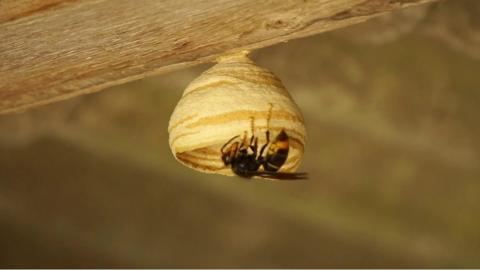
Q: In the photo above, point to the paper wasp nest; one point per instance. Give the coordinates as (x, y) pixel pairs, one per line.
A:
(220, 104)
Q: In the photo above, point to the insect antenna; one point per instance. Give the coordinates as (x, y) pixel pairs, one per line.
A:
(227, 143)
(282, 175)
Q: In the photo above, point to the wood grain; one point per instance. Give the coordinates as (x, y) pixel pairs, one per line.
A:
(52, 50)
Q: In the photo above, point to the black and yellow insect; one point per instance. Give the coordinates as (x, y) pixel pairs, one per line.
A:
(242, 156)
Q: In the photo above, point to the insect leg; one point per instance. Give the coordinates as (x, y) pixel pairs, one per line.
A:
(244, 142)
(252, 127)
(267, 133)
(235, 150)
(254, 146)
(269, 116)
(265, 145)
(253, 139)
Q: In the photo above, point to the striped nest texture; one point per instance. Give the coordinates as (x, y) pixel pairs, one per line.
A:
(221, 104)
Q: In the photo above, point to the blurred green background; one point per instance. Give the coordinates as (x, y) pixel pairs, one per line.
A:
(392, 109)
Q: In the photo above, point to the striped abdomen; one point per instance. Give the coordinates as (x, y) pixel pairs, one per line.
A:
(277, 152)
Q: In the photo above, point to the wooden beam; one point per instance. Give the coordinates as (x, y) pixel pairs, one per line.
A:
(51, 50)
